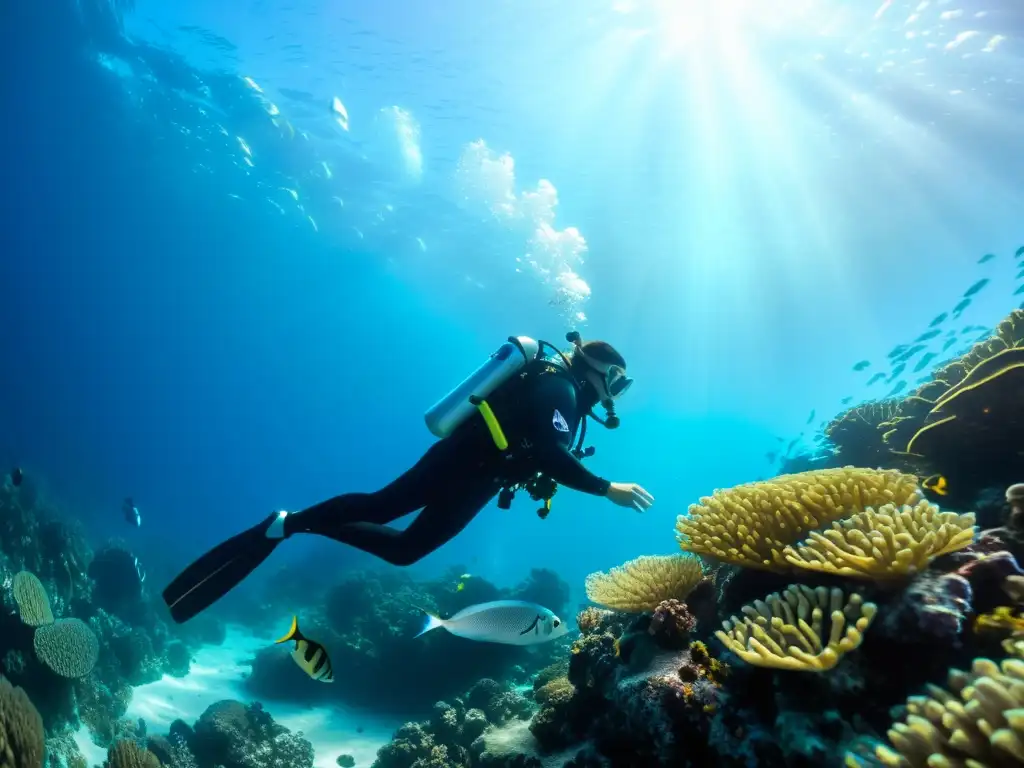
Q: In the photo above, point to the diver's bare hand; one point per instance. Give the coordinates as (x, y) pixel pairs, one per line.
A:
(630, 495)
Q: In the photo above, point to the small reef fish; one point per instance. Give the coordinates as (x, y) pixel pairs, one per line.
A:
(810, 417)
(308, 654)
(877, 377)
(1020, 252)
(986, 257)
(1019, 291)
(846, 400)
(939, 320)
(17, 476)
(909, 353)
(1020, 274)
(896, 372)
(861, 365)
(949, 343)
(928, 335)
(508, 622)
(964, 304)
(131, 512)
(897, 350)
(900, 386)
(923, 362)
(975, 288)
(936, 484)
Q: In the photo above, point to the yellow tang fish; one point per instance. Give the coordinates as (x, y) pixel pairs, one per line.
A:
(309, 654)
(936, 484)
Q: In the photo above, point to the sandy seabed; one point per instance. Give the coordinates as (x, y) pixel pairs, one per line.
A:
(217, 673)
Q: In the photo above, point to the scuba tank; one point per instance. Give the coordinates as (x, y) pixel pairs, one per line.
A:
(454, 408)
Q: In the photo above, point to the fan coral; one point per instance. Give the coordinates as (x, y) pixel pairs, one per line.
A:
(978, 721)
(752, 524)
(68, 647)
(646, 582)
(21, 729)
(30, 595)
(890, 542)
(786, 631)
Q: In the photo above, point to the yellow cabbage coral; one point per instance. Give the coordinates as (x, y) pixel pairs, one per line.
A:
(787, 631)
(752, 524)
(642, 584)
(890, 542)
(978, 721)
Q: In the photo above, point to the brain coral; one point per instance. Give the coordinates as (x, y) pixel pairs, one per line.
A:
(21, 729)
(30, 595)
(68, 647)
(127, 754)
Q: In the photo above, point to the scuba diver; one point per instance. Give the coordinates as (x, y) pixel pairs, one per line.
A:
(509, 426)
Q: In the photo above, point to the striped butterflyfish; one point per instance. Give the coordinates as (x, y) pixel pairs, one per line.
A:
(308, 654)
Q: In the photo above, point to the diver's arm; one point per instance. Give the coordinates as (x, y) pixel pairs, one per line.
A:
(553, 418)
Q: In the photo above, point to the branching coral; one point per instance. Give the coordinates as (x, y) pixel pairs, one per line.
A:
(751, 525)
(68, 647)
(890, 542)
(30, 595)
(644, 583)
(787, 631)
(978, 721)
(22, 740)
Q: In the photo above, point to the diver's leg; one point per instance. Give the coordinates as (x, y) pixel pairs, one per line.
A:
(435, 526)
(220, 570)
(413, 490)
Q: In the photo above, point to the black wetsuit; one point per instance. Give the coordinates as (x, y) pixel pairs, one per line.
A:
(459, 475)
(451, 483)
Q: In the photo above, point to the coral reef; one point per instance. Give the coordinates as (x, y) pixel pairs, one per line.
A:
(233, 735)
(453, 737)
(76, 660)
(963, 422)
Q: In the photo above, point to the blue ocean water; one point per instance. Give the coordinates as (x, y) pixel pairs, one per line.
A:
(224, 296)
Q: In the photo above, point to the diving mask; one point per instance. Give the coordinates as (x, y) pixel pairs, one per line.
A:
(616, 382)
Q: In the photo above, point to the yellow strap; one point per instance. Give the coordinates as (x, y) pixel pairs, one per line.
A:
(492, 425)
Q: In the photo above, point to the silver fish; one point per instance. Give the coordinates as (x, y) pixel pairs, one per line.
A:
(509, 622)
